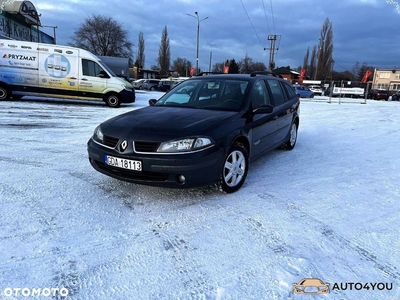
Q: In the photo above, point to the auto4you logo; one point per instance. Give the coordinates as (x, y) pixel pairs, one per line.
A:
(311, 286)
(314, 286)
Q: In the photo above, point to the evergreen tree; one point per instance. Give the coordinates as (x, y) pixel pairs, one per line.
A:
(325, 51)
(140, 60)
(164, 53)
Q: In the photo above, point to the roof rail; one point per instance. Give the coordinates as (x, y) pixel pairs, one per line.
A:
(265, 73)
(208, 73)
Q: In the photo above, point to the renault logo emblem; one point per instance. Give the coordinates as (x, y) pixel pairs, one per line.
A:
(123, 145)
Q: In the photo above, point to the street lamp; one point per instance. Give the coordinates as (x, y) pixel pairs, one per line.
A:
(54, 30)
(212, 45)
(198, 33)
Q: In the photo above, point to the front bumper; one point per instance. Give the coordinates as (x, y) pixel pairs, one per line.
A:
(198, 168)
(128, 96)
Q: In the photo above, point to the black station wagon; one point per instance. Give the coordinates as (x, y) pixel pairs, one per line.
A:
(205, 131)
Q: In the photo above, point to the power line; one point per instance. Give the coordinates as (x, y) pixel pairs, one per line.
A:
(251, 23)
(273, 19)
(266, 18)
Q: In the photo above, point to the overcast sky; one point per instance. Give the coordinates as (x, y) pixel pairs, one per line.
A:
(363, 30)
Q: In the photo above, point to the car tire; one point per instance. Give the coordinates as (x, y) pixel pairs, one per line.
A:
(312, 96)
(4, 92)
(152, 88)
(112, 100)
(235, 168)
(291, 142)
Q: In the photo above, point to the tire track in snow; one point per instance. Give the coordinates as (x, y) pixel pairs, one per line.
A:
(195, 281)
(387, 270)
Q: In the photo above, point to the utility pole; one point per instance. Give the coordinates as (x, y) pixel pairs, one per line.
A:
(272, 49)
(211, 45)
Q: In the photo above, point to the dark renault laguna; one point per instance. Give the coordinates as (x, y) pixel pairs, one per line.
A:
(204, 131)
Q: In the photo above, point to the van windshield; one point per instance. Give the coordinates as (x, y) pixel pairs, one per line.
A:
(107, 68)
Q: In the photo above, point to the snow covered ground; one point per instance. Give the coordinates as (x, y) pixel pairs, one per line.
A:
(329, 209)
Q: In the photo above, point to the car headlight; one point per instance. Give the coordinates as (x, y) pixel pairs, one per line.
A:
(98, 135)
(126, 87)
(185, 145)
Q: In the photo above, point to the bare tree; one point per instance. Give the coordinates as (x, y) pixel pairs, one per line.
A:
(245, 65)
(164, 53)
(258, 66)
(325, 50)
(313, 62)
(218, 67)
(181, 66)
(140, 58)
(305, 61)
(102, 36)
(248, 66)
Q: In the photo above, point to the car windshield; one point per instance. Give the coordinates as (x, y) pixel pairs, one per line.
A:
(215, 94)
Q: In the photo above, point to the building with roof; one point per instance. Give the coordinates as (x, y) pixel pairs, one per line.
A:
(19, 20)
(387, 79)
(288, 74)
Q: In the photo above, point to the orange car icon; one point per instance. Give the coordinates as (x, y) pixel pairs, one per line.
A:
(311, 286)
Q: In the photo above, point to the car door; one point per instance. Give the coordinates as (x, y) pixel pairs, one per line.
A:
(263, 125)
(283, 98)
(91, 84)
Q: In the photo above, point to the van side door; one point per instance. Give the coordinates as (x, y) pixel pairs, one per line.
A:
(92, 79)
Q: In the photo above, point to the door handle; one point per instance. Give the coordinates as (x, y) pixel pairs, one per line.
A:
(72, 78)
(85, 79)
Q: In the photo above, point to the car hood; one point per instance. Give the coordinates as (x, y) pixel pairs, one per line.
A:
(162, 123)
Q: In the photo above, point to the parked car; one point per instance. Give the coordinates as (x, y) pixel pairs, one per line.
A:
(206, 130)
(378, 94)
(150, 84)
(396, 96)
(176, 82)
(137, 84)
(165, 85)
(303, 91)
(316, 89)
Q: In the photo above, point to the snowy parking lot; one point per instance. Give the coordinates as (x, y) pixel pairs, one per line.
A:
(327, 210)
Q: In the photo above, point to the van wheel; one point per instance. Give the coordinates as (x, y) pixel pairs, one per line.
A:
(4, 92)
(112, 100)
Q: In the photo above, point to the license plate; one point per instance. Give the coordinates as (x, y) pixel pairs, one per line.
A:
(127, 164)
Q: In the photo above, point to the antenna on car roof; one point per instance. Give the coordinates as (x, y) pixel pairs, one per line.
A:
(265, 73)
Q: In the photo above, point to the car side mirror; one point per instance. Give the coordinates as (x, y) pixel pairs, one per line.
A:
(152, 102)
(263, 109)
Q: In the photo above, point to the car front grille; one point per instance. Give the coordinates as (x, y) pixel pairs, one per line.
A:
(145, 146)
(140, 146)
(110, 141)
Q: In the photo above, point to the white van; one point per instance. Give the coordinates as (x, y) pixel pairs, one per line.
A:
(34, 69)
